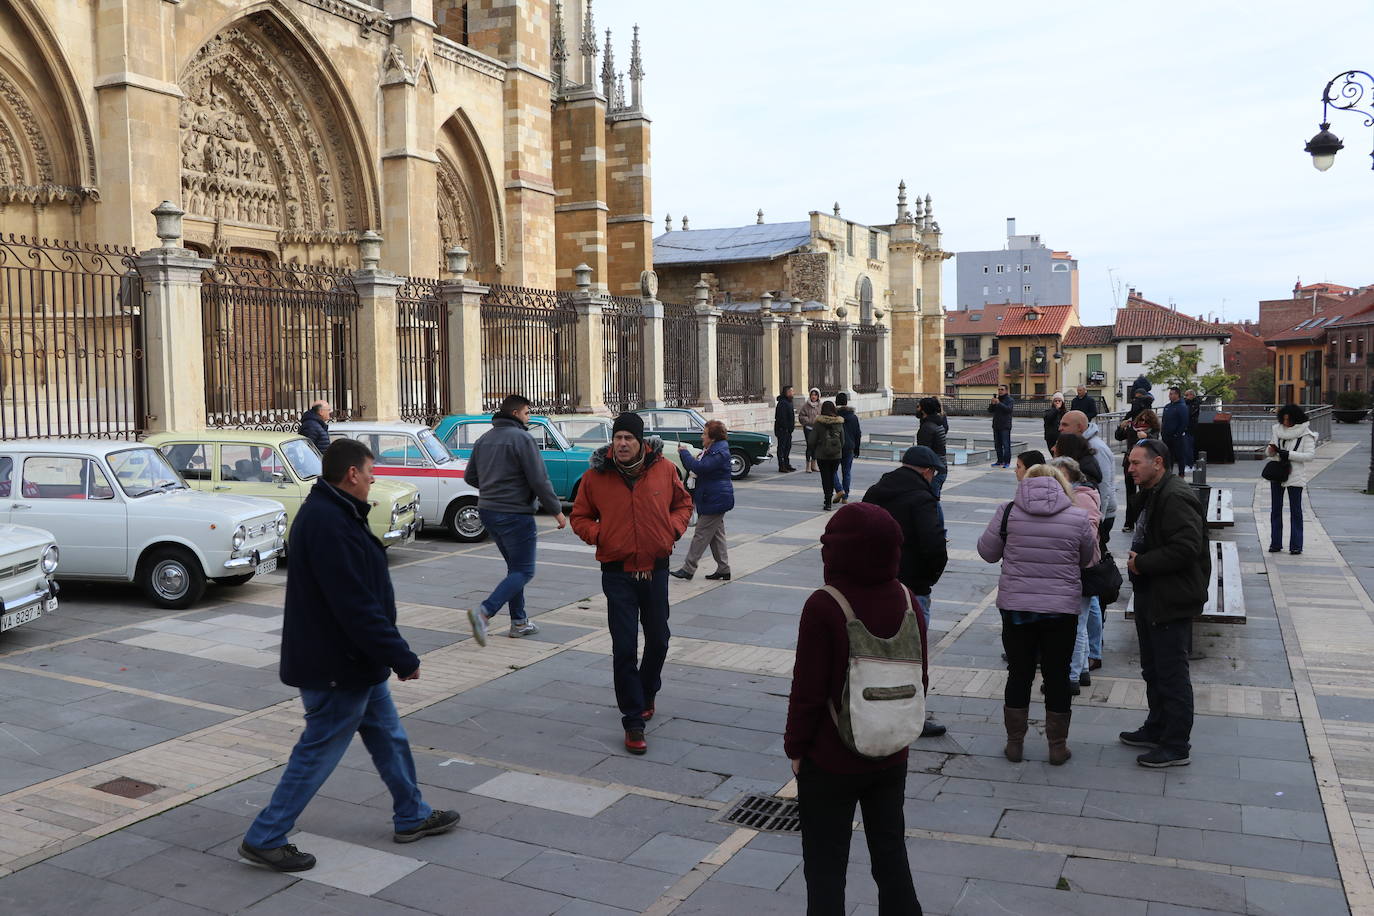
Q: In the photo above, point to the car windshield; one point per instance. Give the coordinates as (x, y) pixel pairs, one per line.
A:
(584, 432)
(554, 434)
(700, 420)
(303, 457)
(141, 471)
(434, 448)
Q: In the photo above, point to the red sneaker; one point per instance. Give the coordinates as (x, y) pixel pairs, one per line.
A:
(647, 714)
(635, 743)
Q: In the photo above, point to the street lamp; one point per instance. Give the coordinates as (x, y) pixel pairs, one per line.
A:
(1353, 91)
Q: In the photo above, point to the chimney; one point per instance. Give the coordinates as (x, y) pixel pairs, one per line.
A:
(1011, 226)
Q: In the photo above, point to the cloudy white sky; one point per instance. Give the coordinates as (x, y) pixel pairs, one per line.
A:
(1162, 144)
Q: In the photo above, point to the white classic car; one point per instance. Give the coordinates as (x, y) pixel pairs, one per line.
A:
(28, 559)
(411, 453)
(119, 512)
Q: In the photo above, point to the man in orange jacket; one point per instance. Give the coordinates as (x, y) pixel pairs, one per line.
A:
(632, 507)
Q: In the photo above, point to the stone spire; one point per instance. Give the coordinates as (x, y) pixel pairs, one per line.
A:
(619, 102)
(608, 71)
(684, 223)
(636, 74)
(668, 223)
(930, 213)
(558, 49)
(837, 208)
(920, 214)
(759, 220)
(589, 49)
(902, 215)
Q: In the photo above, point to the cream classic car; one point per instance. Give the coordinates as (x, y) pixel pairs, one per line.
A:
(119, 512)
(28, 559)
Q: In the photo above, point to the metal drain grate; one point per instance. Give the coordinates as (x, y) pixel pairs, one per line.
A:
(765, 813)
(125, 787)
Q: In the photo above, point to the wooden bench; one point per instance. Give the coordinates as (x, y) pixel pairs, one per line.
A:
(1225, 591)
(1220, 512)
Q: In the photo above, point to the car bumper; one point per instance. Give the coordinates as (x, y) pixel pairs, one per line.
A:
(28, 607)
(252, 559)
(404, 535)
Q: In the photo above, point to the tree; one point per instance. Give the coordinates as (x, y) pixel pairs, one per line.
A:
(1179, 366)
(1261, 385)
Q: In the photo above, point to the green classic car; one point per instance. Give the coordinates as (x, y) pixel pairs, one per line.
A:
(683, 424)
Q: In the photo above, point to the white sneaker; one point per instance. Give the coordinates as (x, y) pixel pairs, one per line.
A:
(479, 625)
(525, 627)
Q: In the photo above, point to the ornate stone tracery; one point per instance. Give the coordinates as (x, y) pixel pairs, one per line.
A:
(468, 206)
(262, 144)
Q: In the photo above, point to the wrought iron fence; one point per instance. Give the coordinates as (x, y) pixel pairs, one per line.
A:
(681, 377)
(71, 327)
(422, 351)
(277, 338)
(622, 327)
(785, 356)
(739, 357)
(529, 347)
(867, 373)
(823, 352)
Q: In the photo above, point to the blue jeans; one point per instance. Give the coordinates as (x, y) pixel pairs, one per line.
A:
(923, 608)
(842, 474)
(1090, 609)
(631, 603)
(515, 535)
(332, 717)
(1001, 441)
(1276, 515)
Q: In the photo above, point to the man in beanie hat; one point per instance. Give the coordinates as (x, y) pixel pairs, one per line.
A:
(908, 494)
(632, 507)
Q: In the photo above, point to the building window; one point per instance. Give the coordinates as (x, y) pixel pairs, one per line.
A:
(1014, 358)
(1016, 389)
(1040, 389)
(949, 347)
(985, 268)
(1026, 288)
(949, 370)
(1026, 267)
(992, 347)
(1061, 268)
(1134, 354)
(873, 244)
(985, 291)
(849, 239)
(1001, 268)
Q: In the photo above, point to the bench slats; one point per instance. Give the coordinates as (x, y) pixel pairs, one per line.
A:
(1225, 591)
(1220, 511)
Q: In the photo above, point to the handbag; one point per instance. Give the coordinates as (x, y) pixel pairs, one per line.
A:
(1277, 471)
(1103, 579)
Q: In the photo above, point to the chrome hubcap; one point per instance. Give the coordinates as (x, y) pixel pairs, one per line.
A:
(170, 579)
(736, 465)
(469, 522)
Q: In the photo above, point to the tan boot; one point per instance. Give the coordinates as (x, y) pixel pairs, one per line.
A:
(1057, 734)
(1015, 720)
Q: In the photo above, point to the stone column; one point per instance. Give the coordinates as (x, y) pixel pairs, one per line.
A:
(801, 350)
(846, 373)
(654, 382)
(591, 344)
(378, 395)
(885, 364)
(462, 299)
(174, 355)
(772, 363)
(707, 370)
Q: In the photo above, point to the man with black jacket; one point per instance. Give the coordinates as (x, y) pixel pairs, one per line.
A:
(339, 647)
(784, 421)
(853, 439)
(1001, 409)
(1170, 567)
(1084, 402)
(315, 424)
(908, 494)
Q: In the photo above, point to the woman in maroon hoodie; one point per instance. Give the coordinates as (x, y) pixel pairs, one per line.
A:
(860, 551)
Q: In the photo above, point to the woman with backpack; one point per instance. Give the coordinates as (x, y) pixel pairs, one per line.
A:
(1043, 541)
(1090, 609)
(1145, 425)
(838, 759)
(1293, 444)
(829, 436)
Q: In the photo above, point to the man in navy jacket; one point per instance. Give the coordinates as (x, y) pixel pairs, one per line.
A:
(1176, 432)
(339, 647)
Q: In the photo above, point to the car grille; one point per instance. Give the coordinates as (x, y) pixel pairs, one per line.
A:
(9, 572)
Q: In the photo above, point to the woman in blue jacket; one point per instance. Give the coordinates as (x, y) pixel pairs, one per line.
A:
(714, 496)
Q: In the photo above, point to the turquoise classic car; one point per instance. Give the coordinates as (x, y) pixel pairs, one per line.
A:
(564, 461)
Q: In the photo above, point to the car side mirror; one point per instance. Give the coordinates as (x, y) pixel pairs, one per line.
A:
(279, 478)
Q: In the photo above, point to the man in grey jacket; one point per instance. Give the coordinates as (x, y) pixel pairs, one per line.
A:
(1075, 421)
(509, 475)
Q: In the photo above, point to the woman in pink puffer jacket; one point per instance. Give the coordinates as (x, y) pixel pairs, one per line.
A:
(1049, 541)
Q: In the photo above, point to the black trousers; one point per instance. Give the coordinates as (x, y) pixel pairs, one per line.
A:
(1169, 691)
(784, 449)
(1048, 642)
(826, 802)
(1132, 499)
(1104, 532)
(828, 467)
(810, 442)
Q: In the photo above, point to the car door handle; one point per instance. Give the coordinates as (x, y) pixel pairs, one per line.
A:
(219, 488)
(20, 506)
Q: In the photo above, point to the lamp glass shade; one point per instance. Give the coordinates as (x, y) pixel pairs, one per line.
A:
(1324, 161)
(1323, 147)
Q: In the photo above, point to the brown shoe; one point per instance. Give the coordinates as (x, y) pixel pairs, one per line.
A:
(1015, 721)
(1057, 734)
(634, 741)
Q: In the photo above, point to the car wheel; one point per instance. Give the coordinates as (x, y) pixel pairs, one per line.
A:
(463, 521)
(234, 581)
(740, 465)
(171, 577)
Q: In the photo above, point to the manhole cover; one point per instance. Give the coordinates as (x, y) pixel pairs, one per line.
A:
(765, 813)
(125, 787)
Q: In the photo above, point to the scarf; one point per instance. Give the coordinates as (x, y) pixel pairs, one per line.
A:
(630, 473)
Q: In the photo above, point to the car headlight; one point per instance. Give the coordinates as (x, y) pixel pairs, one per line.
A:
(50, 557)
(281, 525)
(240, 536)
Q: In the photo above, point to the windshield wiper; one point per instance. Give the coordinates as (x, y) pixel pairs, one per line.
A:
(161, 487)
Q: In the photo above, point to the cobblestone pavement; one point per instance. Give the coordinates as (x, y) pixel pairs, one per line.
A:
(1275, 815)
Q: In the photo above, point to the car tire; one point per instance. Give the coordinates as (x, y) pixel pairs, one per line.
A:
(171, 577)
(235, 581)
(740, 465)
(462, 521)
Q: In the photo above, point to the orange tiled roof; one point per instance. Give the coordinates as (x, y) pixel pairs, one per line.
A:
(961, 322)
(1142, 318)
(1053, 320)
(1089, 335)
(984, 373)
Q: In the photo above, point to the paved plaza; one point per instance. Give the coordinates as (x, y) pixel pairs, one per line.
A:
(1274, 816)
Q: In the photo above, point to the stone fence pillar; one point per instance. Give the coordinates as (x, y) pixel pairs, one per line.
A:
(801, 351)
(772, 359)
(591, 344)
(379, 385)
(174, 350)
(463, 301)
(885, 362)
(845, 377)
(708, 372)
(654, 375)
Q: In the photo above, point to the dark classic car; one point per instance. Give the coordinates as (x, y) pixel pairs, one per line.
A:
(683, 424)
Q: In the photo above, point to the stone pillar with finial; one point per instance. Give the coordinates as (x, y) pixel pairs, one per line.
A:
(652, 309)
(708, 376)
(772, 362)
(845, 375)
(462, 298)
(629, 198)
(591, 343)
(378, 391)
(758, 220)
(801, 348)
(684, 223)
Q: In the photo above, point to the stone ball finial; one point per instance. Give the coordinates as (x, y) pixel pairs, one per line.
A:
(841, 313)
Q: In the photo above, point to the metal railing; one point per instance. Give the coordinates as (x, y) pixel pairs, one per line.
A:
(823, 356)
(622, 326)
(1253, 424)
(529, 347)
(785, 354)
(422, 351)
(866, 371)
(681, 378)
(739, 357)
(1027, 406)
(277, 338)
(71, 327)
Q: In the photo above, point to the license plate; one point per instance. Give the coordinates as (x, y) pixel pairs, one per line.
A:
(12, 620)
(265, 567)
(50, 605)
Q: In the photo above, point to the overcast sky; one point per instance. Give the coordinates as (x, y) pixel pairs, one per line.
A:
(1162, 144)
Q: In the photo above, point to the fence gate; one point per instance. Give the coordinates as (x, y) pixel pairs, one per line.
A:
(681, 381)
(71, 329)
(739, 357)
(276, 339)
(529, 347)
(867, 378)
(422, 351)
(823, 352)
(622, 323)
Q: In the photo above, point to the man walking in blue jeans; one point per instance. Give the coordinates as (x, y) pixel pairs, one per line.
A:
(339, 647)
(509, 475)
(853, 439)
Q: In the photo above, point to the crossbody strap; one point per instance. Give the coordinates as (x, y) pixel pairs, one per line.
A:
(848, 611)
(1006, 513)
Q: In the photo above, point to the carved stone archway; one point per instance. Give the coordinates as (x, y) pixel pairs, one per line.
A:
(469, 205)
(267, 143)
